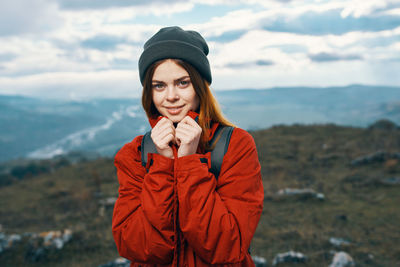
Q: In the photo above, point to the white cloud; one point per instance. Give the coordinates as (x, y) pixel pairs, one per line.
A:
(22, 17)
(236, 20)
(52, 61)
(257, 45)
(395, 46)
(359, 8)
(96, 18)
(297, 68)
(392, 12)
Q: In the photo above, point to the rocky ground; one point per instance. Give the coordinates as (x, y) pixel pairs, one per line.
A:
(331, 199)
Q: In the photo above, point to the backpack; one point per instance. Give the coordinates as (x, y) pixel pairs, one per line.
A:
(220, 142)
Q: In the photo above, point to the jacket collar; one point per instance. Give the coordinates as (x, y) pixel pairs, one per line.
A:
(194, 115)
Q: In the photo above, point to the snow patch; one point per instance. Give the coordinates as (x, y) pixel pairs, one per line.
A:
(78, 139)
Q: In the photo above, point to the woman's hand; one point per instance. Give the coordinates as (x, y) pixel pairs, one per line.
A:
(162, 134)
(187, 136)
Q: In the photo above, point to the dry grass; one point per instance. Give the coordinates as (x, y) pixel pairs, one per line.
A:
(357, 206)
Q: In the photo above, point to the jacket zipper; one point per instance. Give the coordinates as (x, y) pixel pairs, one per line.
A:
(176, 234)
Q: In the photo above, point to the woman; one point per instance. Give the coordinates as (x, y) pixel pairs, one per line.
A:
(173, 211)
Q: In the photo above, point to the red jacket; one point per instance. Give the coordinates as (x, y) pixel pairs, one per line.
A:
(179, 214)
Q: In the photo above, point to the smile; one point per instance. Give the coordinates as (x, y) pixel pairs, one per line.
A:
(174, 110)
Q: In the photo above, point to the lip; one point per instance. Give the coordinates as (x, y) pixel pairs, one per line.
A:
(174, 110)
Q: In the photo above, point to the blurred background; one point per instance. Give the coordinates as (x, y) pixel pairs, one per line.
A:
(315, 82)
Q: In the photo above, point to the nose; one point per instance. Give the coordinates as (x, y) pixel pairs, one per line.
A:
(172, 93)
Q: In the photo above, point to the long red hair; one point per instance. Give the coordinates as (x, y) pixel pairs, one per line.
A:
(209, 110)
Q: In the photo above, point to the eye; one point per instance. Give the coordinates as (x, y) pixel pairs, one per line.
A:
(158, 86)
(183, 83)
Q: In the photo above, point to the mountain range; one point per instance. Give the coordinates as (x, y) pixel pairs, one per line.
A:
(43, 128)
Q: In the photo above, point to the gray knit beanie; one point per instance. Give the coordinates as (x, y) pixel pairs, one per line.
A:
(175, 43)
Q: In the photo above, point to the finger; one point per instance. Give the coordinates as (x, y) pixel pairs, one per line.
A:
(189, 129)
(160, 122)
(163, 134)
(163, 140)
(183, 126)
(189, 121)
(166, 140)
(163, 127)
(184, 136)
(163, 122)
(158, 137)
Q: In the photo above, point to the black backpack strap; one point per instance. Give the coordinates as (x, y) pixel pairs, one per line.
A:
(221, 138)
(147, 146)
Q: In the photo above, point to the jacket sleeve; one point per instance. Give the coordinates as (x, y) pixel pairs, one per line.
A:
(219, 218)
(142, 221)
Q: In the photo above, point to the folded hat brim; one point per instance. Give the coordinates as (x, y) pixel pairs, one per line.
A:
(174, 49)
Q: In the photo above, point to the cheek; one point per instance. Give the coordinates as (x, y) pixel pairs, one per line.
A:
(157, 98)
(192, 98)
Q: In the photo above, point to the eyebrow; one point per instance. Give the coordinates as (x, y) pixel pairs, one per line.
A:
(176, 80)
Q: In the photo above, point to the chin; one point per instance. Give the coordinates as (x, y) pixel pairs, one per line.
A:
(175, 119)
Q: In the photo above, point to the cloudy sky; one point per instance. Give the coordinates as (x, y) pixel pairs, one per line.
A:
(89, 48)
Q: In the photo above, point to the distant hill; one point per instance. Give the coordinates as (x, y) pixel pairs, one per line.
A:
(354, 105)
(356, 170)
(39, 128)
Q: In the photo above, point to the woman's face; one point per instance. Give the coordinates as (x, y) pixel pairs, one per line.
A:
(173, 92)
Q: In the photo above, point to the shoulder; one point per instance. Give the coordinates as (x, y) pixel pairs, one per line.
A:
(241, 161)
(241, 138)
(129, 153)
(241, 146)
